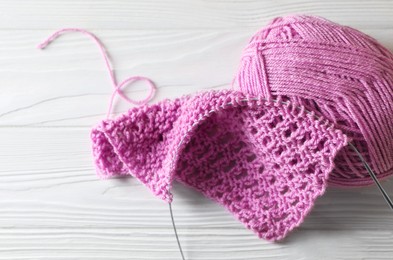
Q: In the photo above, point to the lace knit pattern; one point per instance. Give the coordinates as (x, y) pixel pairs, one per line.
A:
(265, 161)
(336, 71)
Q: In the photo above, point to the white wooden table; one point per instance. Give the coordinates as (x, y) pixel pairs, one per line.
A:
(52, 206)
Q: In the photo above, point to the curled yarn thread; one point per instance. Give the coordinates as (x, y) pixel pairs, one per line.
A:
(117, 86)
(336, 72)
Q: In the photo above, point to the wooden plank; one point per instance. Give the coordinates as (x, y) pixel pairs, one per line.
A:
(170, 14)
(203, 244)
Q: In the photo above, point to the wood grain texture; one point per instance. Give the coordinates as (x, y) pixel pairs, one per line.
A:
(52, 206)
(178, 14)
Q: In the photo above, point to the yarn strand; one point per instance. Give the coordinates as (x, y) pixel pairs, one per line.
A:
(101, 47)
(108, 65)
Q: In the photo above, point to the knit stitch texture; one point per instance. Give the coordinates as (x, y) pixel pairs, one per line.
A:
(266, 162)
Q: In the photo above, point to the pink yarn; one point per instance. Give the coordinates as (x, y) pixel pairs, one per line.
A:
(265, 162)
(334, 71)
(116, 85)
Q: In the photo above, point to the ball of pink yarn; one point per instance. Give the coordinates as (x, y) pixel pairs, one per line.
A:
(335, 71)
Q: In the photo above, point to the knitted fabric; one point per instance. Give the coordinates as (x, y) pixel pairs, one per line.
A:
(266, 162)
(334, 71)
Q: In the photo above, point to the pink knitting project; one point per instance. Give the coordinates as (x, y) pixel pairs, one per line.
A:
(266, 150)
(266, 162)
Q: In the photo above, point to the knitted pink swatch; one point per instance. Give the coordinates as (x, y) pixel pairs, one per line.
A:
(266, 162)
(336, 71)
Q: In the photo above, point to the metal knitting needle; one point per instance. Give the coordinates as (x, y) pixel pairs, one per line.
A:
(373, 176)
(174, 229)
